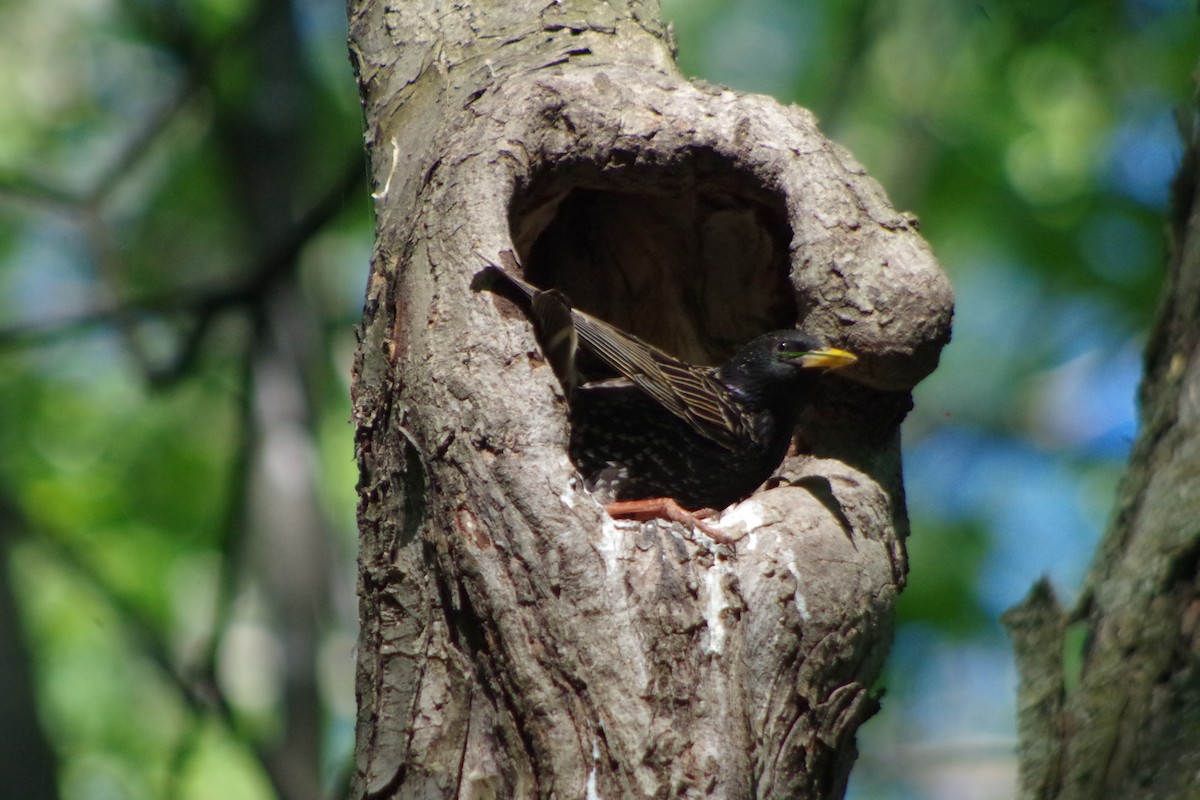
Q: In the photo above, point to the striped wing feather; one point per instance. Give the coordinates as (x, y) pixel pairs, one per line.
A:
(689, 392)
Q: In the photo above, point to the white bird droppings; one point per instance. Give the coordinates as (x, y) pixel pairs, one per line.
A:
(592, 792)
(713, 608)
(801, 603)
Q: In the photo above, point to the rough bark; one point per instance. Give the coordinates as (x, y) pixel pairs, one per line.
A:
(515, 641)
(1109, 704)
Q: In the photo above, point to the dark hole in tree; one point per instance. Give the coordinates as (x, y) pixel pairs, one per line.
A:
(692, 257)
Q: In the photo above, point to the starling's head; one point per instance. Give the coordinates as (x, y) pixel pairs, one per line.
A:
(777, 364)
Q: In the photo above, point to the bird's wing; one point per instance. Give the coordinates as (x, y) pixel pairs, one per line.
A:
(689, 392)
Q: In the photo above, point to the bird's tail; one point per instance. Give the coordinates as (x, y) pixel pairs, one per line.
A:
(497, 281)
(550, 312)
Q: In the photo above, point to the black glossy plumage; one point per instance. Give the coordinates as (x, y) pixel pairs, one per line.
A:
(705, 437)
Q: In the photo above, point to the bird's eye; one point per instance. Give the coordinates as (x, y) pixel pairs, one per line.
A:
(781, 346)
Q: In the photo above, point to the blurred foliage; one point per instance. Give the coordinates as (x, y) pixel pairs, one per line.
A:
(184, 238)
(1018, 130)
(948, 571)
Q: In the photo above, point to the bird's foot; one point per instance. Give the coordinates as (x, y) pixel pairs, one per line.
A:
(666, 508)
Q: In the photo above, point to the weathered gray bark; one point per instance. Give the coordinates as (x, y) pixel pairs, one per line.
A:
(515, 641)
(1114, 709)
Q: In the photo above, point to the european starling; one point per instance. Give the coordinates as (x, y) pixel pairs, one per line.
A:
(666, 434)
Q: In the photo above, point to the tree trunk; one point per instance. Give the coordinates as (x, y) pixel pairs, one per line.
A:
(1109, 704)
(517, 642)
(27, 760)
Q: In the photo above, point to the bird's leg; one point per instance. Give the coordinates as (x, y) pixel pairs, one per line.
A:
(667, 508)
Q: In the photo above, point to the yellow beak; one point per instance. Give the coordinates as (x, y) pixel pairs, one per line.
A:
(829, 358)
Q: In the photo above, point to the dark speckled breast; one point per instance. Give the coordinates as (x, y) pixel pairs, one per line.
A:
(628, 447)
